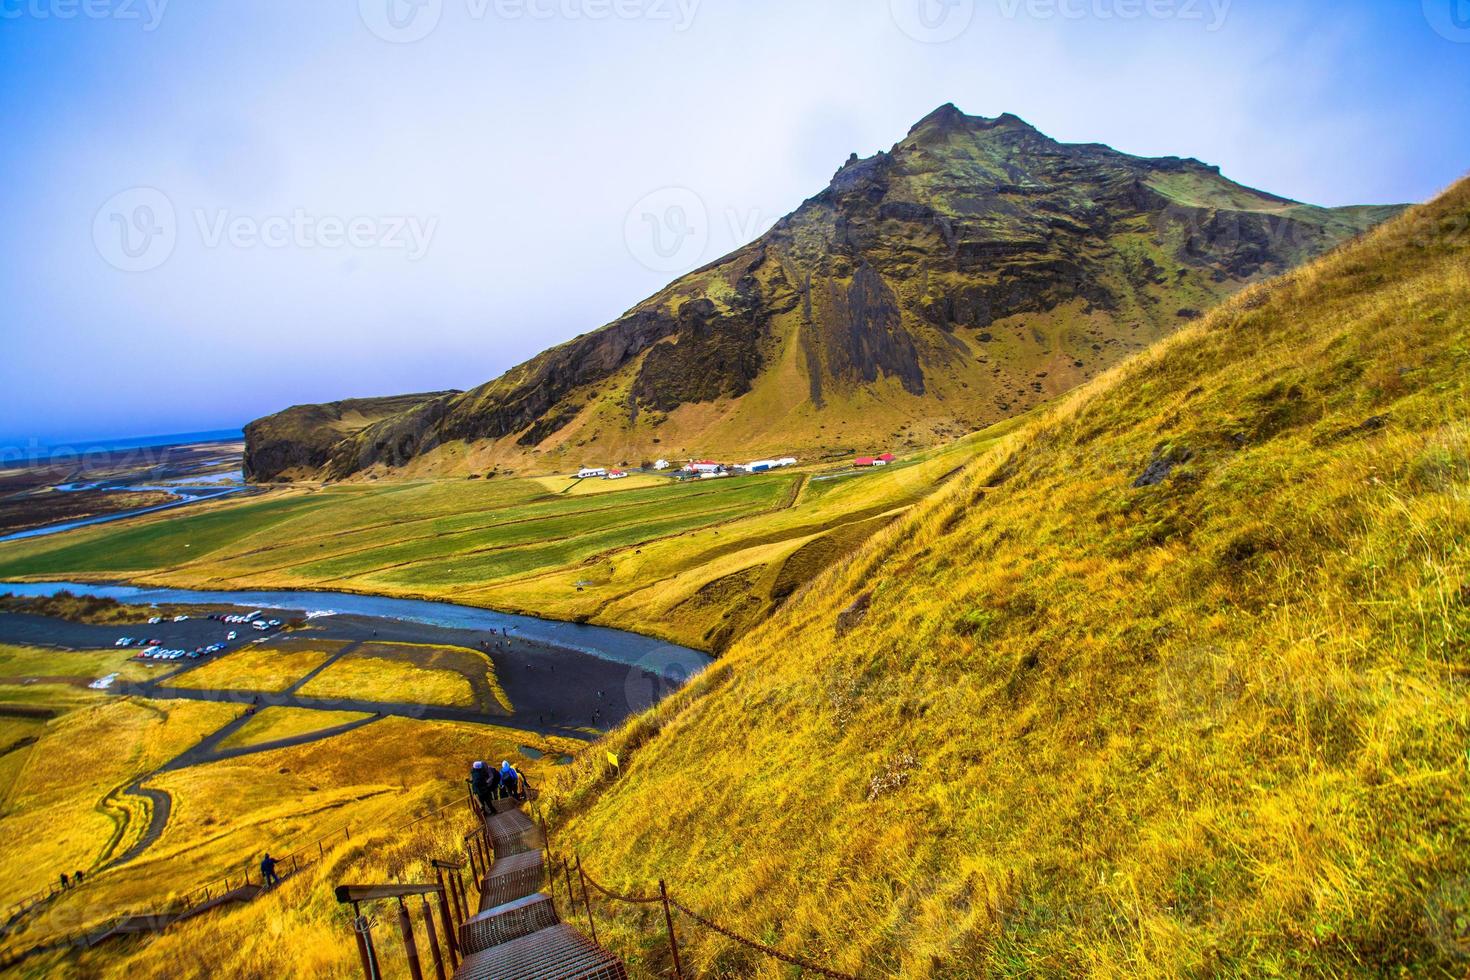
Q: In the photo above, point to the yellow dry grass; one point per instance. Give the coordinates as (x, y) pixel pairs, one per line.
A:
(272, 724)
(19, 665)
(371, 780)
(382, 672)
(55, 818)
(265, 667)
(1055, 722)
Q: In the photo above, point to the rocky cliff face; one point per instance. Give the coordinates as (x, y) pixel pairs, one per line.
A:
(298, 442)
(973, 270)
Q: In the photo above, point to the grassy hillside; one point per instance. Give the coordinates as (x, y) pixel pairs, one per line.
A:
(1175, 680)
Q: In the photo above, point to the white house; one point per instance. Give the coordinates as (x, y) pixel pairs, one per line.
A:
(616, 474)
(589, 472)
(662, 464)
(704, 466)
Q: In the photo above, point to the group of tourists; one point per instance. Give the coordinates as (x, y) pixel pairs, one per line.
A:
(489, 783)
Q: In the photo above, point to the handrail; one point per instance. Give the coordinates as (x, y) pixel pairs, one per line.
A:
(368, 893)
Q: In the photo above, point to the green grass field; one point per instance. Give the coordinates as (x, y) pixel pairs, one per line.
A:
(664, 558)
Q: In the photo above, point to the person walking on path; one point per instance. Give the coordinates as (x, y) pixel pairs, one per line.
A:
(65, 881)
(512, 782)
(268, 876)
(484, 783)
(77, 878)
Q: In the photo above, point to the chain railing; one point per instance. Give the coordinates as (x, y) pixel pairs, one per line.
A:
(670, 905)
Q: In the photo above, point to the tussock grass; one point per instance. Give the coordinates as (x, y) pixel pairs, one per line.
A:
(1215, 723)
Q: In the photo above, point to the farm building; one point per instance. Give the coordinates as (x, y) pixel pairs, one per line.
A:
(591, 472)
(616, 474)
(662, 464)
(704, 466)
(864, 461)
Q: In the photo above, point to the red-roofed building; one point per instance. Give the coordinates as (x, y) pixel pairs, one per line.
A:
(864, 461)
(887, 457)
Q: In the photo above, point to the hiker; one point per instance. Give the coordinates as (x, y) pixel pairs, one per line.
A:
(77, 878)
(268, 876)
(484, 783)
(65, 881)
(512, 783)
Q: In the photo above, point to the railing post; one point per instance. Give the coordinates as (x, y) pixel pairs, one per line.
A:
(663, 893)
(461, 896)
(363, 930)
(470, 850)
(410, 947)
(571, 895)
(586, 899)
(433, 939)
(450, 939)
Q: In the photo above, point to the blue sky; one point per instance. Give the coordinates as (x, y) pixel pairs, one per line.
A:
(215, 210)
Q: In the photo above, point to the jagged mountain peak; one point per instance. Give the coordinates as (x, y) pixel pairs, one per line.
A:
(963, 276)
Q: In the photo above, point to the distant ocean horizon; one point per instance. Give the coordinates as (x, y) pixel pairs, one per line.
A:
(13, 454)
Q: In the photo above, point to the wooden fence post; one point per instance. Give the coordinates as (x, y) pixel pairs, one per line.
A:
(433, 939)
(410, 947)
(586, 899)
(663, 893)
(450, 939)
(461, 896)
(363, 930)
(571, 895)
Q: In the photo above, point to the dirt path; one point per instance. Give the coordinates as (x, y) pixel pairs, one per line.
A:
(162, 806)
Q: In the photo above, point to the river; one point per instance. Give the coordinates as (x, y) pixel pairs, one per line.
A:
(672, 660)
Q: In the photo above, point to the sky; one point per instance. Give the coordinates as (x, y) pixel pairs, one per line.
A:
(214, 210)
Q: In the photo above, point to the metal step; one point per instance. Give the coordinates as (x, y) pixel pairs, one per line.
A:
(511, 878)
(555, 953)
(506, 922)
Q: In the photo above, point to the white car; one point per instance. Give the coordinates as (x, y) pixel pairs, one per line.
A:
(180, 619)
(232, 635)
(155, 620)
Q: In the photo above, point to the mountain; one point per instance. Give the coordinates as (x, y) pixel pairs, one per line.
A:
(298, 442)
(976, 269)
(1170, 682)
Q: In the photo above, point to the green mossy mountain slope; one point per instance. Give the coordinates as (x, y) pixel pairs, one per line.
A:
(976, 269)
